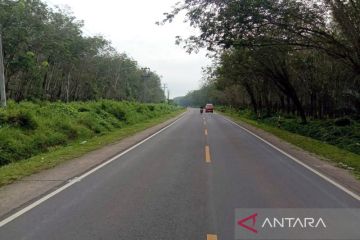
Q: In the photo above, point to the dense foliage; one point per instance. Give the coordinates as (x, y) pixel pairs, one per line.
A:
(48, 57)
(278, 56)
(28, 128)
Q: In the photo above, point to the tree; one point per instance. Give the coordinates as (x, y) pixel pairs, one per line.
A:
(47, 57)
(280, 55)
(249, 23)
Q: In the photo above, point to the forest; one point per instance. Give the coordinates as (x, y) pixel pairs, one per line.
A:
(48, 57)
(287, 57)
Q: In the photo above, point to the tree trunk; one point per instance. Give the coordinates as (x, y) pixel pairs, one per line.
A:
(250, 91)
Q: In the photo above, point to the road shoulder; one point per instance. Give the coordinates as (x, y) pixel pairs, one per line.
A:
(21, 193)
(320, 164)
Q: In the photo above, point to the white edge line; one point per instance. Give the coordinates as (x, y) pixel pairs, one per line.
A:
(78, 179)
(354, 195)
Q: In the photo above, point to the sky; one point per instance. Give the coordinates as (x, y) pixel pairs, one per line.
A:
(130, 26)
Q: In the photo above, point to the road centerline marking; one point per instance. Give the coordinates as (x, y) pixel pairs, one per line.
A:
(211, 237)
(207, 154)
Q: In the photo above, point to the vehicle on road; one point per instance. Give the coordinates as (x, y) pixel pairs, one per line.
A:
(209, 108)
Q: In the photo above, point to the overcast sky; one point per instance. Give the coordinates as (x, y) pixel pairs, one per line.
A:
(130, 26)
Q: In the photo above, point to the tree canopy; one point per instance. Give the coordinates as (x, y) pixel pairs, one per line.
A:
(300, 57)
(47, 56)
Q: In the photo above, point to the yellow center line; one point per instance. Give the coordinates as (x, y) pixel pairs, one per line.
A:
(211, 237)
(207, 154)
(206, 132)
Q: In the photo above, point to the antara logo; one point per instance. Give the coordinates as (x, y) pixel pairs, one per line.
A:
(253, 218)
(249, 223)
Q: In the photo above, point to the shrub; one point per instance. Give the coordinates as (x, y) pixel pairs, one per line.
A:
(69, 130)
(151, 107)
(2, 118)
(22, 119)
(341, 122)
(30, 128)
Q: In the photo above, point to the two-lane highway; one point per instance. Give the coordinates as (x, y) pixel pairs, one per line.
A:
(183, 183)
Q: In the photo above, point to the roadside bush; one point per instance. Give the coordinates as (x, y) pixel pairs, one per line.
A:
(341, 122)
(343, 136)
(29, 128)
(114, 109)
(22, 119)
(2, 118)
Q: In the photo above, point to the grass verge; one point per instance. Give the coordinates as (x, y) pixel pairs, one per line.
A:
(341, 157)
(17, 170)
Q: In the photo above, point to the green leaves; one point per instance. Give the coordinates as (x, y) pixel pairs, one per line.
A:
(278, 56)
(48, 57)
(254, 23)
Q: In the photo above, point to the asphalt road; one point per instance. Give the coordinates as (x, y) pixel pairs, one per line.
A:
(184, 183)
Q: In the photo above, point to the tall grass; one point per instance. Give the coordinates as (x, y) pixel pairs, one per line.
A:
(28, 128)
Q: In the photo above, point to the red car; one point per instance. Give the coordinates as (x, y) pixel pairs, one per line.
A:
(209, 108)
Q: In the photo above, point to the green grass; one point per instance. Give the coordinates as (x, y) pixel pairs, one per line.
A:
(36, 137)
(343, 158)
